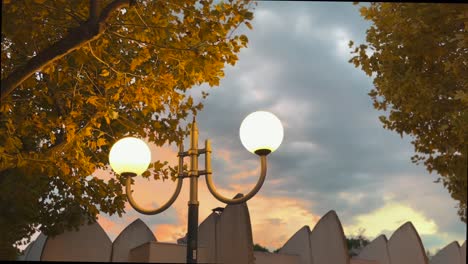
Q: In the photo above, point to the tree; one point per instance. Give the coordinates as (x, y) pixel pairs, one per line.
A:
(258, 247)
(357, 242)
(79, 75)
(416, 54)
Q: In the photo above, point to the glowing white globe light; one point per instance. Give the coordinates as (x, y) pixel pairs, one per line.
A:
(131, 155)
(261, 130)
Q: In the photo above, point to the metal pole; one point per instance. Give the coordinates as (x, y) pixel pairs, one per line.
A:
(192, 226)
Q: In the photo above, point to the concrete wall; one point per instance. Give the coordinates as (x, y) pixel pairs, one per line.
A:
(405, 246)
(161, 252)
(90, 243)
(225, 236)
(34, 250)
(135, 234)
(299, 244)
(449, 254)
(272, 258)
(207, 235)
(463, 253)
(328, 243)
(228, 235)
(140, 253)
(363, 261)
(26, 251)
(376, 250)
(235, 243)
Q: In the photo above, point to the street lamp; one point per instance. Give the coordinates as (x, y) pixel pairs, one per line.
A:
(261, 133)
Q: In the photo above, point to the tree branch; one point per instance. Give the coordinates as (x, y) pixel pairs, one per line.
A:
(75, 39)
(93, 10)
(149, 44)
(112, 68)
(115, 5)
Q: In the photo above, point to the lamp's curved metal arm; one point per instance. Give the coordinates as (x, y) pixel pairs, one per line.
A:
(217, 195)
(153, 211)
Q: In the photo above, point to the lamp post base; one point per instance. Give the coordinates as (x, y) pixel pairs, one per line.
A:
(192, 234)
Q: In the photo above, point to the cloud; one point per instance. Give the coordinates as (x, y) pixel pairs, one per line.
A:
(285, 214)
(390, 217)
(303, 25)
(268, 20)
(169, 232)
(342, 39)
(112, 228)
(246, 174)
(335, 153)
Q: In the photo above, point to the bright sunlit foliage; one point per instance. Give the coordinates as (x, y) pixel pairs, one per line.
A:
(416, 54)
(79, 75)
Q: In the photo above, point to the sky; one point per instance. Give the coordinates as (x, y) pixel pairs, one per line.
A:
(335, 154)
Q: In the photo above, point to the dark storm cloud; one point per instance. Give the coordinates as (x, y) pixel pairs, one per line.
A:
(308, 83)
(335, 151)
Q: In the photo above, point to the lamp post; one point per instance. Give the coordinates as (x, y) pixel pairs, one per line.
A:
(261, 133)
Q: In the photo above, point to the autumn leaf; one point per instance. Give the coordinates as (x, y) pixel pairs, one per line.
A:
(101, 142)
(418, 59)
(104, 73)
(83, 97)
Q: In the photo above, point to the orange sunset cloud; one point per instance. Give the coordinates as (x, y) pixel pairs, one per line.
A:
(287, 215)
